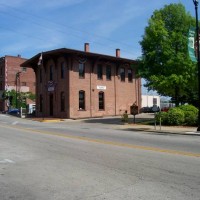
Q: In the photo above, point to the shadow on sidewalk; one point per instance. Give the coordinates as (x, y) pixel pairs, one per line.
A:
(118, 119)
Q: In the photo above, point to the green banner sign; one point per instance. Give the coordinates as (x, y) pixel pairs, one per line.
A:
(191, 44)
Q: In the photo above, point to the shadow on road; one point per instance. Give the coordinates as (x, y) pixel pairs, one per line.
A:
(118, 120)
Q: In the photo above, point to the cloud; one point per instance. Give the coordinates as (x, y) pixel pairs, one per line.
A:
(58, 3)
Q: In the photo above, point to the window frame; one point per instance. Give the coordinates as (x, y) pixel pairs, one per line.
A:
(99, 72)
(102, 100)
(108, 73)
(1, 71)
(130, 75)
(62, 70)
(1, 85)
(23, 84)
(81, 100)
(122, 74)
(51, 73)
(81, 69)
(62, 101)
(23, 69)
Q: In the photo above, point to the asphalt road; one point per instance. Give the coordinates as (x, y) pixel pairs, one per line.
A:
(95, 160)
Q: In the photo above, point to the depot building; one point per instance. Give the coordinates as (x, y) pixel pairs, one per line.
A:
(80, 84)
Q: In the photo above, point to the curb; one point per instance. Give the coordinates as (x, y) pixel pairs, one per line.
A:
(51, 120)
(167, 131)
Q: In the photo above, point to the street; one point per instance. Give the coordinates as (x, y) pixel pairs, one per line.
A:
(95, 160)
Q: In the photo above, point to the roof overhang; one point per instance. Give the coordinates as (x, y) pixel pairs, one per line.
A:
(33, 62)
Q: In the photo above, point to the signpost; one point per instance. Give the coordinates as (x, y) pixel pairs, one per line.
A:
(134, 111)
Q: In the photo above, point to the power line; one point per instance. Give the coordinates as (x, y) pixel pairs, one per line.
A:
(55, 25)
(64, 25)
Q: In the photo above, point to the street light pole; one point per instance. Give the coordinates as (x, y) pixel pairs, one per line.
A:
(196, 2)
(17, 80)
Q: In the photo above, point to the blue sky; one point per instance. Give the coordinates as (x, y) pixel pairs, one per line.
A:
(28, 27)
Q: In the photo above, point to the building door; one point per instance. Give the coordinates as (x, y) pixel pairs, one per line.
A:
(51, 104)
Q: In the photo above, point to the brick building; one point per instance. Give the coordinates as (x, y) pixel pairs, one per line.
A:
(81, 84)
(15, 77)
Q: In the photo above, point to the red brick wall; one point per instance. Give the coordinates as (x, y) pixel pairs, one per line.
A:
(10, 67)
(13, 66)
(119, 96)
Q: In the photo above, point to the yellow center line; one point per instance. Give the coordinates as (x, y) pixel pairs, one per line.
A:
(107, 142)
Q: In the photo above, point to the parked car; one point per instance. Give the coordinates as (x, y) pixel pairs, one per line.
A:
(165, 109)
(145, 110)
(14, 111)
(155, 108)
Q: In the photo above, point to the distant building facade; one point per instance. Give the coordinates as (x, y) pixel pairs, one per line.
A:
(15, 77)
(80, 84)
(150, 100)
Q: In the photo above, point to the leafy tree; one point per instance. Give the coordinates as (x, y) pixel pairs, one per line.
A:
(21, 98)
(165, 63)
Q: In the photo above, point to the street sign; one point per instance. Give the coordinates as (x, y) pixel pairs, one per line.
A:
(192, 44)
(134, 109)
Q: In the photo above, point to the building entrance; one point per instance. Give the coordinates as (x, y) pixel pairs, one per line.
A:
(51, 104)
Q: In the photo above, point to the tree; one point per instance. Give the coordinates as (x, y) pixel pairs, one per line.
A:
(21, 98)
(165, 63)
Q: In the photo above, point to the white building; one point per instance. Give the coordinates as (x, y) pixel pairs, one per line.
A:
(150, 100)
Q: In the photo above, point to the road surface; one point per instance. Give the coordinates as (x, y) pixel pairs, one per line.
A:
(78, 160)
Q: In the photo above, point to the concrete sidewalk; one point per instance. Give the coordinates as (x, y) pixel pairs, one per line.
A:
(183, 130)
(115, 122)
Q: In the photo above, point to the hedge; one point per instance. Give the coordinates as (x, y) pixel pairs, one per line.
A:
(182, 115)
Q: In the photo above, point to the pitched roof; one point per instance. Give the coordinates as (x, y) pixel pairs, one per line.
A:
(63, 51)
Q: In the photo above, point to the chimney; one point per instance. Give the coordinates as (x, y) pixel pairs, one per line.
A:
(118, 53)
(87, 47)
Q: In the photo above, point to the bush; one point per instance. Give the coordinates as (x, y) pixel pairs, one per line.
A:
(182, 115)
(163, 116)
(191, 114)
(189, 108)
(176, 116)
(125, 117)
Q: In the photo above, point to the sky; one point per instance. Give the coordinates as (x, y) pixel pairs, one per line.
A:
(29, 27)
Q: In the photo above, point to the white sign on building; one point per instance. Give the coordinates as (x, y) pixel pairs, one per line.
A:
(101, 87)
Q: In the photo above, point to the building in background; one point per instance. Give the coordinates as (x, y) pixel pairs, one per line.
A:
(150, 100)
(166, 104)
(81, 84)
(15, 77)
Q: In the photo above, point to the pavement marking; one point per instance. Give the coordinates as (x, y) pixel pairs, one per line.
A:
(191, 132)
(6, 161)
(14, 123)
(3, 115)
(174, 152)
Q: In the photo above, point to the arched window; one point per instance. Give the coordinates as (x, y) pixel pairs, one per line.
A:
(62, 72)
(62, 101)
(99, 72)
(81, 70)
(130, 75)
(51, 73)
(108, 72)
(81, 100)
(101, 100)
(122, 74)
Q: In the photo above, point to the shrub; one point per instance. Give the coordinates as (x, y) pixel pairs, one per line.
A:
(189, 108)
(176, 116)
(191, 114)
(125, 117)
(163, 116)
